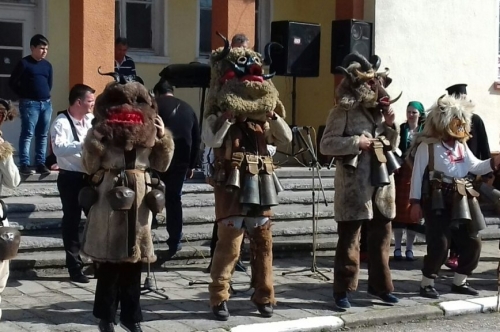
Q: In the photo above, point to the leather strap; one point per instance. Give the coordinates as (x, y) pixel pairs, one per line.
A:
(430, 148)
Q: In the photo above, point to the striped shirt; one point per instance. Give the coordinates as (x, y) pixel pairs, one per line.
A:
(126, 67)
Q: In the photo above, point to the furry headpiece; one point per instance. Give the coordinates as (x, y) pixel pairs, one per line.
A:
(362, 84)
(449, 117)
(125, 115)
(238, 83)
(7, 111)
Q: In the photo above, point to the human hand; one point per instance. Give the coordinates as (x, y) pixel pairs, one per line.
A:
(160, 127)
(496, 161)
(228, 115)
(271, 115)
(365, 143)
(97, 134)
(389, 116)
(189, 173)
(416, 213)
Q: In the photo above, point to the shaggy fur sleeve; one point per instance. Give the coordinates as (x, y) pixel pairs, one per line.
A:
(162, 152)
(392, 134)
(92, 151)
(8, 169)
(333, 142)
(279, 132)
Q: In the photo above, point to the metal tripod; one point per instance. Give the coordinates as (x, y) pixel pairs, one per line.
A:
(314, 167)
(149, 287)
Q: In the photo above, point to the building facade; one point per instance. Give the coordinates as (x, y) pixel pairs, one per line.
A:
(427, 44)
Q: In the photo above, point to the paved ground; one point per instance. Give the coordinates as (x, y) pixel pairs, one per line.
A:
(49, 302)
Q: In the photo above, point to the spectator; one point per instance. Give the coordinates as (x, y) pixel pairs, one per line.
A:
(124, 65)
(181, 119)
(240, 40)
(67, 135)
(31, 80)
(415, 117)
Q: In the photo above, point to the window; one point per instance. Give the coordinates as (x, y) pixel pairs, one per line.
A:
(262, 26)
(11, 52)
(142, 23)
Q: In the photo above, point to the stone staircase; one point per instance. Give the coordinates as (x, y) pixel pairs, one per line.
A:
(35, 205)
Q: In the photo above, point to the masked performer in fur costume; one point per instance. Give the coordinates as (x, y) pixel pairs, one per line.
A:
(361, 133)
(9, 177)
(127, 139)
(442, 193)
(245, 186)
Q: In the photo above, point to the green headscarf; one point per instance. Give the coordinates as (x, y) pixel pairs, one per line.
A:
(418, 106)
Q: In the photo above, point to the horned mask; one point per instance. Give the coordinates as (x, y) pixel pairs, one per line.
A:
(362, 80)
(238, 83)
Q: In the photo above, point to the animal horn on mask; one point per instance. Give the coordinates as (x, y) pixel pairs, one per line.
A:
(225, 51)
(116, 76)
(268, 60)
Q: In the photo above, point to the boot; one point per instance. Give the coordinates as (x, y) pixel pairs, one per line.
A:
(261, 245)
(225, 257)
(220, 311)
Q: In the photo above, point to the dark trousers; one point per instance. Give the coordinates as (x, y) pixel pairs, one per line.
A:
(346, 266)
(118, 283)
(439, 233)
(363, 240)
(174, 180)
(69, 185)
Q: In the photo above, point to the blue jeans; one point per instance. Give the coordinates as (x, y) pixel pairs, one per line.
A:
(35, 120)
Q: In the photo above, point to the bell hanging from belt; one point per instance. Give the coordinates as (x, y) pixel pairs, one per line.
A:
(277, 183)
(437, 201)
(350, 162)
(392, 162)
(250, 192)
(155, 200)
(460, 211)
(233, 182)
(379, 173)
(268, 194)
(477, 223)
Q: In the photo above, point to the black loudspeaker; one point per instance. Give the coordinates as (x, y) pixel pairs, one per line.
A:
(192, 75)
(350, 36)
(300, 53)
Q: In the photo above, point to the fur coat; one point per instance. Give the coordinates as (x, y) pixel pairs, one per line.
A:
(354, 192)
(123, 137)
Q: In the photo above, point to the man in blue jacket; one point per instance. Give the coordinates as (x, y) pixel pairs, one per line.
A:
(31, 80)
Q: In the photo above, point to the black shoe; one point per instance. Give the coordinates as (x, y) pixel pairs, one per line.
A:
(42, 169)
(464, 289)
(397, 255)
(79, 278)
(266, 310)
(386, 297)
(131, 327)
(429, 292)
(240, 267)
(341, 300)
(220, 311)
(106, 326)
(25, 170)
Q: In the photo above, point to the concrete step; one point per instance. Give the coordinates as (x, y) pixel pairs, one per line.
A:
(49, 189)
(193, 234)
(27, 204)
(46, 220)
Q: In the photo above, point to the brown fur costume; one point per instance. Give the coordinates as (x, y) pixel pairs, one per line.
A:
(362, 97)
(126, 139)
(239, 84)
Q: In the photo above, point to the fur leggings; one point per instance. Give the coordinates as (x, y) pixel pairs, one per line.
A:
(227, 253)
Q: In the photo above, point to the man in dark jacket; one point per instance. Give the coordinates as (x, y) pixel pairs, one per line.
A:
(181, 119)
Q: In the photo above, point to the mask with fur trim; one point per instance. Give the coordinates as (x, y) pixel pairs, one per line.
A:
(125, 115)
(238, 83)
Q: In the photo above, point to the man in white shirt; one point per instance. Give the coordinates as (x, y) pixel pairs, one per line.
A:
(67, 135)
(442, 157)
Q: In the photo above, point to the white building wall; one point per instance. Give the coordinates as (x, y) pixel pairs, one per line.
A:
(432, 44)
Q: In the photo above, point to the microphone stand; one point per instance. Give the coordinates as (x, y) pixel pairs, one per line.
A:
(315, 168)
(148, 286)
